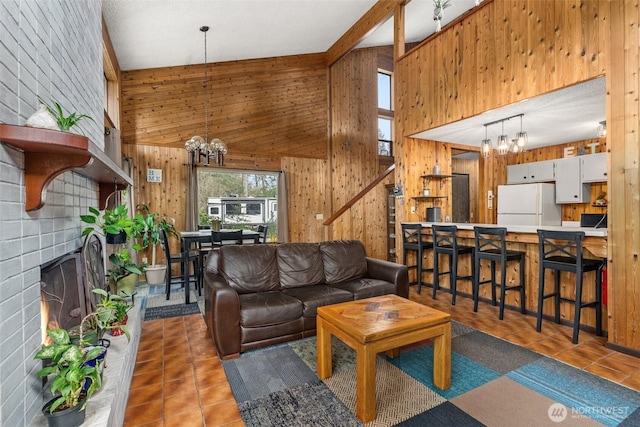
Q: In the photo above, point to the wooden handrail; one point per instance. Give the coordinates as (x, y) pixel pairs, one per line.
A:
(359, 196)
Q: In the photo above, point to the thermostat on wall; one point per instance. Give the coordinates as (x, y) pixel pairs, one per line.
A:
(154, 175)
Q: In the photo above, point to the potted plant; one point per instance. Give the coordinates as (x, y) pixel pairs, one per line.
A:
(152, 225)
(66, 363)
(117, 227)
(438, 11)
(120, 310)
(110, 313)
(115, 224)
(64, 122)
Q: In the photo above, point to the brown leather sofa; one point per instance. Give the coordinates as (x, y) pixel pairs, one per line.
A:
(260, 295)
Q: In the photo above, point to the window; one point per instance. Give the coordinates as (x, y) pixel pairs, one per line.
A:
(385, 114)
(238, 199)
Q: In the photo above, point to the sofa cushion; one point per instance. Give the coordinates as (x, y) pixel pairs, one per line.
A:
(343, 260)
(268, 308)
(316, 296)
(248, 269)
(299, 264)
(366, 287)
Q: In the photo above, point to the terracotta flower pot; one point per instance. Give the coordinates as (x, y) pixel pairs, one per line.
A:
(116, 332)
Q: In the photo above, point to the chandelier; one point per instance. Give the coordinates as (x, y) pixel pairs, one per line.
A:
(504, 146)
(200, 148)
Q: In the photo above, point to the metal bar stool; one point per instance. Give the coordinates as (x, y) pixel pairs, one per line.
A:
(445, 241)
(490, 244)
(414, 240)
(562, 251)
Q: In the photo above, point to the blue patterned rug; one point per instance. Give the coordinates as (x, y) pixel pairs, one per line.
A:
(493, 383)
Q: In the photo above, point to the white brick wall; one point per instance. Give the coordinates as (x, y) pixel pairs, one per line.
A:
(49, 49)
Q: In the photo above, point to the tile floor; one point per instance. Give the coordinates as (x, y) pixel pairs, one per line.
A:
(179, 381)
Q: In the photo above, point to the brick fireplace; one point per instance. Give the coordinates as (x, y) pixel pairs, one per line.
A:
(52, 51)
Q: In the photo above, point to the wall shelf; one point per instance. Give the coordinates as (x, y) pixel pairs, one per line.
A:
(427, 178)
(48, 153)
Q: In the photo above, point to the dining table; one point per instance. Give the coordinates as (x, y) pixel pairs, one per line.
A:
(188, 238)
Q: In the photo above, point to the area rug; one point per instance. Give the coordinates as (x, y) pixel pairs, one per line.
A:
(493, 383)
(156, 305)
(166, 311)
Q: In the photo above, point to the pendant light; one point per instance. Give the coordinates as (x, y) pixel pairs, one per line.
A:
(485, 145)
(503, 142)
(199, 147)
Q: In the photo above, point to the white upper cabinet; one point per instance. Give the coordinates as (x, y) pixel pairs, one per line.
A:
(523, 173)
(569, 185)
(594, 167)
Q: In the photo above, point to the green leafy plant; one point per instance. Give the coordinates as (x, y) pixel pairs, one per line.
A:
(149, 228)
(120, 310)
(108, 310)
(64, 122)
(203, 218)
(111, 221)
(67, 365)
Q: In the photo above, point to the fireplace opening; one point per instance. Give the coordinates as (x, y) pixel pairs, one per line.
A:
(66, 285)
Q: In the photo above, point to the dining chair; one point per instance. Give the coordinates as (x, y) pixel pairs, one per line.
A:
(221, 238)
(184, 258)
(262, 234)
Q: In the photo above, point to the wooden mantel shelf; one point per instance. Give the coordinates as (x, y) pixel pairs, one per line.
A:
(48, 153)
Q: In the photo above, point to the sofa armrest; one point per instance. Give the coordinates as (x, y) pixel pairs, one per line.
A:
(397, 274)
(222, 315)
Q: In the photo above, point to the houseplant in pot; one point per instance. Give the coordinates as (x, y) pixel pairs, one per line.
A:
(69, 374)
(118, 228)
(115, 224)
(119, 323)
(110, 313)
(152, 225)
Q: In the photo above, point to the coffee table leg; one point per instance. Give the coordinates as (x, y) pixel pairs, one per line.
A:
(365, 383)
(323, 348)
(442, 358)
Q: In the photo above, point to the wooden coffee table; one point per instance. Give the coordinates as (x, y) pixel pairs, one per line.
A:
(378, 324)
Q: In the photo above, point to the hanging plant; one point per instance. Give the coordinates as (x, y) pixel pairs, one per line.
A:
(438, 11)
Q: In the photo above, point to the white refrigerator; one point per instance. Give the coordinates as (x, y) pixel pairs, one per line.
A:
(528, 204)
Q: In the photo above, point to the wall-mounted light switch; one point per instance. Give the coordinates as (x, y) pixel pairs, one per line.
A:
(489, 199)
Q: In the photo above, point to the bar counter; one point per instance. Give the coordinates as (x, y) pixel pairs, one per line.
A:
(522, 238)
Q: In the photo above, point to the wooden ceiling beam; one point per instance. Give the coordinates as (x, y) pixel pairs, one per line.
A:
(370, 21)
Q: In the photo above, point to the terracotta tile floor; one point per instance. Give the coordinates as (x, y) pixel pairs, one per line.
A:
(179, 381)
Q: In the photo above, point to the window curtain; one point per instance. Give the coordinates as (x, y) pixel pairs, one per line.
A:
(192, 199)
(283, 209)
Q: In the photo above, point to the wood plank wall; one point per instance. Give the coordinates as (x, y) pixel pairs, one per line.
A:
(533, 47)
(623, 110)
(276, 104)
(295, 88)
(354, 159)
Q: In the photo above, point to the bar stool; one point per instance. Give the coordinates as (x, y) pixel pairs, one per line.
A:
(490, 244)
(445, 241)
(562, 251)
(414, 240)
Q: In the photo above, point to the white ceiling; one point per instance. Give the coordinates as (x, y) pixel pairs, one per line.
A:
(161, 33)
(566, 115)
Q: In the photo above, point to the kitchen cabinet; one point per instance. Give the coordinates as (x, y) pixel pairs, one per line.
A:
(525, 173)
(593, 167)
(569, 185)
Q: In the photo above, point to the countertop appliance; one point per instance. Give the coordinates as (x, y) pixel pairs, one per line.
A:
(528, 204)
